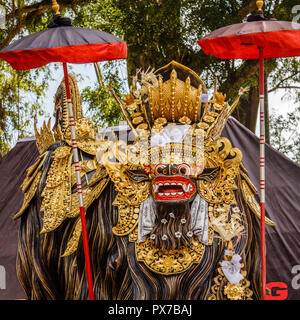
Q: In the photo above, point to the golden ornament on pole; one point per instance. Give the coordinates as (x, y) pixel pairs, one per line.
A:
(55, 7)
(259, 4)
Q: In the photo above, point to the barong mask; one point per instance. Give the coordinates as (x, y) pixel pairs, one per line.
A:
(178, 163)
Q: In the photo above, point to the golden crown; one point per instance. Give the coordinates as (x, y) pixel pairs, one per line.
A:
(175, 94)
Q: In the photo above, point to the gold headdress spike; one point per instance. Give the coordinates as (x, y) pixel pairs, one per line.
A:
(259, 4)
(55, 7)
(77, 108)
(60, 101)
(44, 138)
(216, 115)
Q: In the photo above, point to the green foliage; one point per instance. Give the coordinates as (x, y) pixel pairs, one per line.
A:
(285, 133)
(21, 96)
(21, 92)
(102, 107)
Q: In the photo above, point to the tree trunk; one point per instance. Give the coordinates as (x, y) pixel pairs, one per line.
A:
(247, 110)
(252, 110)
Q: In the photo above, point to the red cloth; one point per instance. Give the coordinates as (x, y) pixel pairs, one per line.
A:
(277, 38)
(83, 53)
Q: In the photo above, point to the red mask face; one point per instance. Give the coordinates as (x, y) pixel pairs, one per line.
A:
(173, 183)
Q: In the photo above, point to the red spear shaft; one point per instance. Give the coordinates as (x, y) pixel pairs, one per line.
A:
(262, 173)
(79, 185)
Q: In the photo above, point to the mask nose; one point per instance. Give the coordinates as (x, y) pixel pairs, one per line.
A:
(173, 170)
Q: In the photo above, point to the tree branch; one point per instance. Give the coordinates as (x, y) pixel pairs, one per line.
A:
(47, 4)
(239, 76)
(27, 13)
(278, 86)
(40, 6)
(248, 7)
(285, 87)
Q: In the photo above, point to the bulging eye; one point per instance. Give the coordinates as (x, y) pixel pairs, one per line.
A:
(184, 169)
(159, 169)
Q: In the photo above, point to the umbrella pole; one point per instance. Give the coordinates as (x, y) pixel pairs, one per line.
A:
(262, 173)
(79, 185)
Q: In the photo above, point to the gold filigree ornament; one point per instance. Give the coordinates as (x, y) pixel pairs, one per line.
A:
(226, 227)
(133, 236)
(59, 202)
(233, 291)
(56, 195)
(160, 121)
(131, 194)
(30, 183)
(128, 200)
(221, 190)
(168, 262)
(72, 244)
(89, 196)
(44, 138)
(128, 219)
(185, 120)
(159, 125)
(84, 130)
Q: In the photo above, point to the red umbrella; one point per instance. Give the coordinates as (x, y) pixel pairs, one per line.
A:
(258, 38)
(67, 44)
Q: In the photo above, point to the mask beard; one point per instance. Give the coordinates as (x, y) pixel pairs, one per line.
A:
(173, 227)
